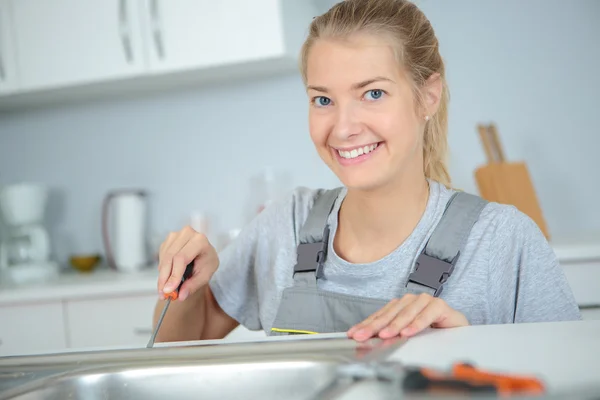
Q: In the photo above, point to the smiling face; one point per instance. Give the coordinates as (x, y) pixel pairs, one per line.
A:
(363, 119)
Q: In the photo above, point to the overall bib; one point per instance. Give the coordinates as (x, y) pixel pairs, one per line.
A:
(306, 309)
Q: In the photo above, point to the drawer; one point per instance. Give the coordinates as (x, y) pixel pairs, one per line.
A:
(115, 321)
(32, 328)
(590, 313)
(584, 279)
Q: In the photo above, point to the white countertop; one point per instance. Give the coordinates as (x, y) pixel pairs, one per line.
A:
(576, 248)
(73, 285)
(565, 355)
(106, 282)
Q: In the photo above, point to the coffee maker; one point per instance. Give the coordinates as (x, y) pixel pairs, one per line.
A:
(25, 248)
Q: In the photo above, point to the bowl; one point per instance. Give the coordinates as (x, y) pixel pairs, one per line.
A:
(85, 263)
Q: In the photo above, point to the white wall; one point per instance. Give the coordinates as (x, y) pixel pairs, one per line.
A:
(532, 67)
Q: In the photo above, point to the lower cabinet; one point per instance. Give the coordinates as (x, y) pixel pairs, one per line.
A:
(32, 328)
(113, 321)
(590, 313)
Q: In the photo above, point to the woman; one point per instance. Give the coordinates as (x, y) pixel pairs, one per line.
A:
(395, 250)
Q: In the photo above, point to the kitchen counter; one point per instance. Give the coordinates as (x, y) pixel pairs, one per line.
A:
(101, 282)
(563, 354)
(585, 247)
(579, 256)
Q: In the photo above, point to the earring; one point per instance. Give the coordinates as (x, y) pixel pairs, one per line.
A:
(427, 118)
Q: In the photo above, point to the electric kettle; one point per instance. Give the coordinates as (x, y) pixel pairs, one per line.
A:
(124, 230)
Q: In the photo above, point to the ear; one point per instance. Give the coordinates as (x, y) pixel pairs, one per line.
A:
(432, 94)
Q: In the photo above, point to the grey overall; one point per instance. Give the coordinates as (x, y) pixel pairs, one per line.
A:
(306, 309)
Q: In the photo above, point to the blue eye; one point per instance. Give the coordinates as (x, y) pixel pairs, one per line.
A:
(375, 94)
(321, 101)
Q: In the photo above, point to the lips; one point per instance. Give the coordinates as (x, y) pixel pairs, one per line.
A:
(356, 155)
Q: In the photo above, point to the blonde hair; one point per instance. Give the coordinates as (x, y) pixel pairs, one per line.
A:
(417, 50)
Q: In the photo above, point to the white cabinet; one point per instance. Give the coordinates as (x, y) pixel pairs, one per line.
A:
(591, 313)
(32, 328)
(186, 34)
(66, 42)
(110, 321)
(72, 49)
(8, 77)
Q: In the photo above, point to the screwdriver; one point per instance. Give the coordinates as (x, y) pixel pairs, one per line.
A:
(171, 296)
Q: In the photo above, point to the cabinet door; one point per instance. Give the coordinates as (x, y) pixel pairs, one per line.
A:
(187, 34)
(31, 328)
(8, 78)
(65, 42)
(591, 313)
(584, 279)
(118, 321)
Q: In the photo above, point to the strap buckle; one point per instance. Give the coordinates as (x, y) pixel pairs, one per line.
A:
(311, 256)
(432, 272)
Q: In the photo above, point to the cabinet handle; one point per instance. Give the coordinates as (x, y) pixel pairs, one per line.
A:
(156, 30)
(142, 331)
(2, 71)
(124, 30)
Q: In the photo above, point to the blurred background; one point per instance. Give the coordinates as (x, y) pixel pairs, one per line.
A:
(122, 120)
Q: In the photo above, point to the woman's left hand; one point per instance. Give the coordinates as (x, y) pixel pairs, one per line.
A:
(408, 316)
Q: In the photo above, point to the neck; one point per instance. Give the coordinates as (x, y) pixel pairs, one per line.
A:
(373, 223)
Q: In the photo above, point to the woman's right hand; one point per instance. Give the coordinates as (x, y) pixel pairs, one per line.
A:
(176, 252)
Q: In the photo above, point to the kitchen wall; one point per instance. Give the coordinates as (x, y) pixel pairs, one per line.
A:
(531, 67)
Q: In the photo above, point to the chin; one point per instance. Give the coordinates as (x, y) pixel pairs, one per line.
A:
(362, 182)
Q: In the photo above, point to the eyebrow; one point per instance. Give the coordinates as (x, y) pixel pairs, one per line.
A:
(355, 86)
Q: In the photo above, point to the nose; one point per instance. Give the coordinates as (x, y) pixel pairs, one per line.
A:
(347, 122)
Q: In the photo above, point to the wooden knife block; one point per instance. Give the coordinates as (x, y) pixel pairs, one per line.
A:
(510, 183)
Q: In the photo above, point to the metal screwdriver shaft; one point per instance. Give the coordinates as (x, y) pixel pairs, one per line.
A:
(188, 272)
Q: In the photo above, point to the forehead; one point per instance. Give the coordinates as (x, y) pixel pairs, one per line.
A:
(351, 60)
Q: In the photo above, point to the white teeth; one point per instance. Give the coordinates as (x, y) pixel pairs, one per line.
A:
(357, 152)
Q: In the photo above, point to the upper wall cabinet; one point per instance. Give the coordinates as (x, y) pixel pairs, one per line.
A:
(67, 42)
(8, 78)
(95, 46)
(186, 34)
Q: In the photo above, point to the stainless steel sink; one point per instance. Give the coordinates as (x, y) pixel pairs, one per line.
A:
(299, 369)
(319, 368)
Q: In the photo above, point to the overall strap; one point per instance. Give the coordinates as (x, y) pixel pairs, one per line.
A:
(436, 263)
(314, 238)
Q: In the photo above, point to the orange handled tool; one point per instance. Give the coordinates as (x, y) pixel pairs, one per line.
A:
(174, 295)
(467, 378)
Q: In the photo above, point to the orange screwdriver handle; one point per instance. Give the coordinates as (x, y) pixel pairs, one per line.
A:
(174, 295)
(505, 383)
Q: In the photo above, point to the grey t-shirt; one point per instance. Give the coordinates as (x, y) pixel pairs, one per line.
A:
(507, 272)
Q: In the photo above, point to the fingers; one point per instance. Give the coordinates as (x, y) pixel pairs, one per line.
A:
(407, 316)
(204, 268)
(193, 248)
(379, 320)
(431, 314)
(164, 268)
(414, 318)
(175, 241)
(176, 252)
(371, 318)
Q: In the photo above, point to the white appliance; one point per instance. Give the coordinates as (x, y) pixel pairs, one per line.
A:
(124, 230)
(25, 248)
